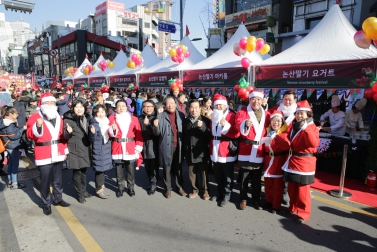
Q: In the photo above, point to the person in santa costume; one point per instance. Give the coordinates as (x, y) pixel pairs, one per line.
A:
(127, 144)
(276, 146)
(251, 122)
(224, 135)
(301, 162)
(46, 129)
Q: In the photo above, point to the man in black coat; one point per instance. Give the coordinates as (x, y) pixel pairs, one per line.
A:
(150, 148)
(21, 119)
(196, 136)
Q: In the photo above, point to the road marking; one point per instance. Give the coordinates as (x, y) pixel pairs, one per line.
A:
(77, 228)
(344, 206)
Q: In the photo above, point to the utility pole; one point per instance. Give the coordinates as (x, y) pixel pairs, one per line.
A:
(181, 18)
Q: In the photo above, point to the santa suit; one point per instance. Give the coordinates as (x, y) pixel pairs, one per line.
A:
(127, 139)
(47, 153)
(275, 155)
(130, 137)
(300, 168)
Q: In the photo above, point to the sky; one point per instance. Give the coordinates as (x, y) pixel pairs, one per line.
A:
(73, 10)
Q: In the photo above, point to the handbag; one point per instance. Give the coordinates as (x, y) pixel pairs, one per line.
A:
(2, 145)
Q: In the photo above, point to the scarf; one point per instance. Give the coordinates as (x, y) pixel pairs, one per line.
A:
(104, 126)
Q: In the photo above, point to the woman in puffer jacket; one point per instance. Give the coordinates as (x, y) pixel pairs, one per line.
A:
(11, 137)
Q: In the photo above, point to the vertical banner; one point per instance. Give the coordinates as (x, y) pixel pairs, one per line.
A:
(341, 92)
(267, 92)
(299, 93)
(274, 92)
(319, 93)
(329, 92)
(230, 91)
(282, 91)
(208, 91)
(309, 92)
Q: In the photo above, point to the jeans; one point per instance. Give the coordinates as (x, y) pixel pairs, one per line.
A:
(13, 163)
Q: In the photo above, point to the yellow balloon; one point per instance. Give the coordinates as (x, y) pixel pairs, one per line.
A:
(250, 46)
(251, 38)
(138, 56)
(86, 71)
(368, 22)
(265, 49)
(71, 69)
(371, 31)
(111, 64)
(132, 65)
(173, 52)
(184, 48)
(69, 74)
(66, 71)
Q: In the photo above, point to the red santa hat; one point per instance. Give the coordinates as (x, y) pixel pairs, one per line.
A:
(256, 93)
(277, 113)
(45, 97)
(219, 99)
(303, 105)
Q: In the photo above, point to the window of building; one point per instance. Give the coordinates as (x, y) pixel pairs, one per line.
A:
(311, 23)
(147, 25)
(155, 6)
(129, 22)
(130, 34)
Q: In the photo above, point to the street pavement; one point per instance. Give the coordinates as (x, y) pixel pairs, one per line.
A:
(153, 223)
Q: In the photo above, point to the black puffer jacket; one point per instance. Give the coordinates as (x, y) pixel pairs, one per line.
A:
(150, 148)
(8, 128)
(78, 141)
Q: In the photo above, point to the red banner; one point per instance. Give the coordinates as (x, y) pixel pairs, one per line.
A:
(213, 77)
(121, 81)
(344, 74)
(157, 79)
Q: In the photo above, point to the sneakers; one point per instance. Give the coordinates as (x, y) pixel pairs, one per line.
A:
(193, 195)
(17, 185)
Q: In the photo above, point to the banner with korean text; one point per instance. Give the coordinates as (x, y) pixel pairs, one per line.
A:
(157, 79)
(336, 74)
(122, 81)
(225, 77)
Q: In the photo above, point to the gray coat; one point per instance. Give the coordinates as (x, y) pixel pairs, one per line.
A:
(78, 141)
(165, 133)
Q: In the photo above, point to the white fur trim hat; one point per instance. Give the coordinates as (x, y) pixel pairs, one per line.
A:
(45, 97)
(277, 113)
(256, 93)
(220, 99)
(303, 105)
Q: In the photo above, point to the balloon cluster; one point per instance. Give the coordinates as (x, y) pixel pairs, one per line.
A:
(70, 71)
(103, 64)
(175, 85)
(104, 88)
(243, 89)
(248, 45)
(70, 86)
(135, 61)
(178, 53)
(87, 69)
(132, 88)
(364, 37)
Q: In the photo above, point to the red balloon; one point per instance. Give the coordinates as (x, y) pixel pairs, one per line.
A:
(178, 81)
(236, 88)
(242, 92)
(368, 93)
(250, 89)
(374, 87)
(375, 97)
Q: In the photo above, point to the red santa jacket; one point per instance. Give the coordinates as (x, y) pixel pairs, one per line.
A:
(128, 128)
(55, 146)
(219, 150)
(306, 140)
(278, 146)
(246, 151)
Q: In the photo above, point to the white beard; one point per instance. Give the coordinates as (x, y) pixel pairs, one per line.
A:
(217, 115)
(51, 112)
(287, 111)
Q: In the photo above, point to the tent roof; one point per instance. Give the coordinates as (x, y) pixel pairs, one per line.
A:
(225, 58)
(78, 74)
(119, 63)
(167, 64)
(97, 71)
(330, 40)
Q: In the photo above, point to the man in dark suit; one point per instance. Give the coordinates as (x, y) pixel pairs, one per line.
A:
(196, 135)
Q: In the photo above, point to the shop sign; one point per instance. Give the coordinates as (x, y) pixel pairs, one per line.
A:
(249, 15)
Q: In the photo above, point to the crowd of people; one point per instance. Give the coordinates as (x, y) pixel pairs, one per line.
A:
(122, 131)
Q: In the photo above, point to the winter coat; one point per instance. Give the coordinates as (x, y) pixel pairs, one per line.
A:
(21, 119)
(25, 100)
(30, 110)
(165, 133)
(150, 148)
(78, 141)
(196, 140)
(139, 106)
(7, 127)
(63, 105)
(101, 152)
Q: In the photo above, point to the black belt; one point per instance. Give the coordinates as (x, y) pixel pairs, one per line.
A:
(121, 140)
(274, 154)
(299, 154)
(48, 143)
(249, 141)
(222, 138)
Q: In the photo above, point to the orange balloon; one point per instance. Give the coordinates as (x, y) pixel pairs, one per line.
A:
(368, 22)
(86, 71)
(371, 31)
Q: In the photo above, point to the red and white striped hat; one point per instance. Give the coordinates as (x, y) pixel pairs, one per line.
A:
(46, 97)
(219, 99)
(256, 93)
(303, 105)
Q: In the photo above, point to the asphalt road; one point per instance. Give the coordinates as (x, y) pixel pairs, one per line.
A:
(153, 223)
